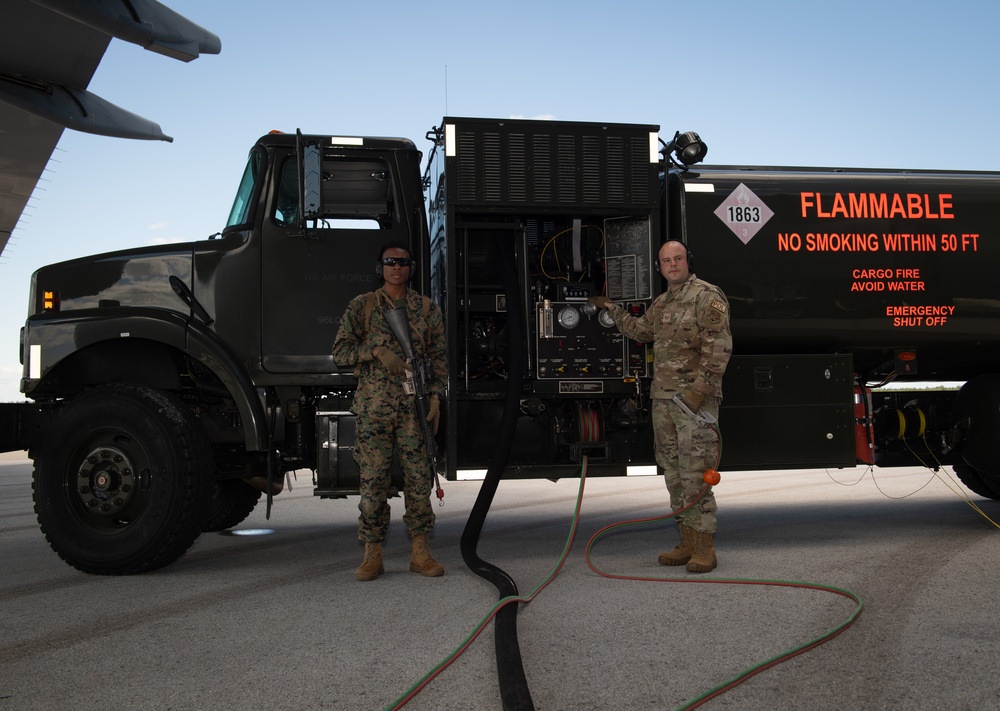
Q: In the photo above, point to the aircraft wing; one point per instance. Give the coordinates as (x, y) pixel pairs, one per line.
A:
(49, 51)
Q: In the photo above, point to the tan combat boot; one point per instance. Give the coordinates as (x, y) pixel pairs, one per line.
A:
(371, 566)
(682, 553)
(703, 558)
(421, 560)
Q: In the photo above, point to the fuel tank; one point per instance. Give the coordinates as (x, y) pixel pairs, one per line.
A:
(898, 268)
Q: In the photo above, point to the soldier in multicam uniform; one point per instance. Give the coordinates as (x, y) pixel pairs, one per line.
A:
(689, 327)
(386, 415)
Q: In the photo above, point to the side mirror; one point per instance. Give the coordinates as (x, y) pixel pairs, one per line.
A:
(311, 184)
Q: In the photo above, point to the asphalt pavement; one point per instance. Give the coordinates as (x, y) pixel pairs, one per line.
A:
(277, 621)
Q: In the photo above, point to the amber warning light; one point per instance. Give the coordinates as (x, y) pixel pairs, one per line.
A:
(50, 301)
(906, 362)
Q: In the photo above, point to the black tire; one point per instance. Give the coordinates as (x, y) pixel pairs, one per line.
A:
(232, 502)
(123, 481)
(986, 485)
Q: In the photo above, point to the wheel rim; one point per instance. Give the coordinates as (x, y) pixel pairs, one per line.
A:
(108, 481)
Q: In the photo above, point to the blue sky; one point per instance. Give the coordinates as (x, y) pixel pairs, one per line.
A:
(868, 84)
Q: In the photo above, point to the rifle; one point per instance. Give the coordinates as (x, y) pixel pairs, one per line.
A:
(416, 384)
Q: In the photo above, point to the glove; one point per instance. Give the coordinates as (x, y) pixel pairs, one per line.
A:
(601, 302)
(693, 400)
(392, 362)
(434, 414)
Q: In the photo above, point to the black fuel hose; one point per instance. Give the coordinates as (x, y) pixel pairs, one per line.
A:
(514, 691)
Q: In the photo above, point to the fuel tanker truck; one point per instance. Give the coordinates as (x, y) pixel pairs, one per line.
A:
(170, 387)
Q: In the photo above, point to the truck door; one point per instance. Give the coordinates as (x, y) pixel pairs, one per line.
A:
(309, 277)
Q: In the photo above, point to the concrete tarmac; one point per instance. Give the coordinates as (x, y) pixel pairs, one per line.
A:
(277, 621)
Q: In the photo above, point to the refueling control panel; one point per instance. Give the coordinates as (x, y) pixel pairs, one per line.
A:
(575, 342)
(578, 341)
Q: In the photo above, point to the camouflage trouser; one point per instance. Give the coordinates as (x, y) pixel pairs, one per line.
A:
(685, 448)
(373, 453)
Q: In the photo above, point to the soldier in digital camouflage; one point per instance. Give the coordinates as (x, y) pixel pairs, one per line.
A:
(386, 414)
(688, 325)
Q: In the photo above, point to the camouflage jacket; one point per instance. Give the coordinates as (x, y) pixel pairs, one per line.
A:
(689, 329)
(380, 394)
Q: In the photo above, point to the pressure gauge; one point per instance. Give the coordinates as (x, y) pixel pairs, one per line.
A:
(569, 317)
(604, 318)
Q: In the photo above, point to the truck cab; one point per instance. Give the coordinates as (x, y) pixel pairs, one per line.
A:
(223, 344)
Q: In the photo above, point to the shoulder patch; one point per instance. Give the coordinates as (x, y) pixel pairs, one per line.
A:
(718, 305)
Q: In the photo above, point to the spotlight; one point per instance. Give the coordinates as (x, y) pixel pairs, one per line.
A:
(687, 148)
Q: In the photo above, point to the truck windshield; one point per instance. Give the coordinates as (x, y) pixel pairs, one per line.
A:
(240, 213)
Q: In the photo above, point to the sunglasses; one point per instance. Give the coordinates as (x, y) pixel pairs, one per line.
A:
(393, 261)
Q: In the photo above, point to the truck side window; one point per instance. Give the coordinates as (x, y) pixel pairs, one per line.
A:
(240, 214)
(286, 206)
(359, 189)
(357, 193)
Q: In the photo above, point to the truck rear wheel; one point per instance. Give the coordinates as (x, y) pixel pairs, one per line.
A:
(985, 485)
(232, 502)
(124, 480)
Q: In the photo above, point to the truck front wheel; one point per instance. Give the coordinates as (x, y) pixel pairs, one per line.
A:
(123, 481)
